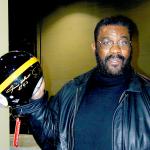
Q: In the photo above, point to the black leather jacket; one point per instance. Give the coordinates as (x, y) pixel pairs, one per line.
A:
(53, 121)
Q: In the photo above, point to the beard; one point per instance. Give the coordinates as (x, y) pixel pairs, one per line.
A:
(106, 68)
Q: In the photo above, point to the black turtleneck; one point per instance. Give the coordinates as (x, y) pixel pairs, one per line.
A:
(93, 123)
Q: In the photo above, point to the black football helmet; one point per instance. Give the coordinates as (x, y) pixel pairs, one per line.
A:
(20, 77)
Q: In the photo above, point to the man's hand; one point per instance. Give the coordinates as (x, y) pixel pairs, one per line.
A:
(40, 91)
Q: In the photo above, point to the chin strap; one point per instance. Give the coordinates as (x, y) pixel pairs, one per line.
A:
(16, 134)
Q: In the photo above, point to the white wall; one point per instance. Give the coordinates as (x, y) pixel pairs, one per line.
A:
(4, 113)
(3, 26)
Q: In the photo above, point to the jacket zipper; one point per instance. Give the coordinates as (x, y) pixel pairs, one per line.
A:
(74, 114)
(123, 96)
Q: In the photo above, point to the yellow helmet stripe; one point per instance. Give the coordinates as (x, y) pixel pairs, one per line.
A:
(17, 73)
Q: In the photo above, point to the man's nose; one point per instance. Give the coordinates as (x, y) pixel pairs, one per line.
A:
(115, 49)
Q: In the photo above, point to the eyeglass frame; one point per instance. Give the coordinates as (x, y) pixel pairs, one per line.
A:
(115, 43)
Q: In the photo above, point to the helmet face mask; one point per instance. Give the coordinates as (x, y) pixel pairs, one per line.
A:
(19, 77)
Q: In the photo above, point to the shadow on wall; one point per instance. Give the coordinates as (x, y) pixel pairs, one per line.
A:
(136, 54)
(47, 8)
(135, 50)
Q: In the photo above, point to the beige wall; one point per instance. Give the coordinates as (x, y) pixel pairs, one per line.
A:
(67, 34)
(4, 112)
(3, 26)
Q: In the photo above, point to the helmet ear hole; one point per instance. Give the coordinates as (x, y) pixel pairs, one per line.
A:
(3, 100)
(37, 86)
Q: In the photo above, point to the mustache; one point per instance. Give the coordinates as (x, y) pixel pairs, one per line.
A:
(114, 56)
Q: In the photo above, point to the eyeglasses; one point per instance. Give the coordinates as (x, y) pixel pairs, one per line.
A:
(122, 43)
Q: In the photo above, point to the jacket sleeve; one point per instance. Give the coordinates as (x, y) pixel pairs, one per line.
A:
(43, 116)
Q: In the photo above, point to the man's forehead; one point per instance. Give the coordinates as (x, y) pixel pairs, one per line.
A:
(113, 30)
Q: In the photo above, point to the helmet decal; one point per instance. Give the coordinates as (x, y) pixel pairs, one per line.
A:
(15, 74)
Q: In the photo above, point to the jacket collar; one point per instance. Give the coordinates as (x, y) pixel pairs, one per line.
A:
(138, 81)
(135, 84)
(84, 78)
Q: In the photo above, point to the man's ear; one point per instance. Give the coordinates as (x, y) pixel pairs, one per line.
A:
(93, 46)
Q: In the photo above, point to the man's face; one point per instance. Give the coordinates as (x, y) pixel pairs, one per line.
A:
(113, 49)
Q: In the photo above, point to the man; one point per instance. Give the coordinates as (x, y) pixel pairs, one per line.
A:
(107, 108)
